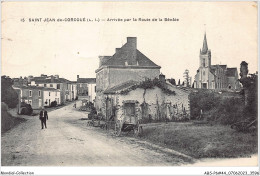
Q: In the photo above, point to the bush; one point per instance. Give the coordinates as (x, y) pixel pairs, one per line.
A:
(229, 111)
(217, 108)
(203, 99)
(53, 104)
(8, 94)
(26, 109)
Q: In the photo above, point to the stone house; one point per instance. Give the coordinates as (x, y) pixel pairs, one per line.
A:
(132, 100)
(63, 85)
(37, 96)
(218, 77)
(128, 63)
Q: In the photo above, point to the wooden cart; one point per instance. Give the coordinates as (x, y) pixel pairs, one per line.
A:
(129, 125)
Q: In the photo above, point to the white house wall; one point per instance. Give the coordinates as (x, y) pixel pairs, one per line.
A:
(50, 96)
(91, 91)
(180, 101)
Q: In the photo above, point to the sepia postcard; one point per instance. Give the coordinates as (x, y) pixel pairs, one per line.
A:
(129, 85)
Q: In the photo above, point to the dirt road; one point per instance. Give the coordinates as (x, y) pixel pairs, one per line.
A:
(68, 141)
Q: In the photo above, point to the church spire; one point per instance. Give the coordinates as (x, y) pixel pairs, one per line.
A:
(205, 45)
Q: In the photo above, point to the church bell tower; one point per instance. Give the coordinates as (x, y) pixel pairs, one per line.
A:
(205, 54)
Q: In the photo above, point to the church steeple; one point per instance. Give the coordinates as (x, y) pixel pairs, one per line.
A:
(205, 54)
(205, 45)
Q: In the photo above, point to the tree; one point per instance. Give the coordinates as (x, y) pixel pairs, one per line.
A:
(172, 81)
(193, 85)
(183, 83)
(186, 78)
(243, 69)
(8, 94)
(249, 90)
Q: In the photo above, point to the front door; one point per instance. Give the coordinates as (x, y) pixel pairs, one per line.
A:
(130, 112)
(204, 85)
(40, 103)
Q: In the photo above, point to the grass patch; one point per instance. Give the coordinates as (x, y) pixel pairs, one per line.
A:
(202, 141)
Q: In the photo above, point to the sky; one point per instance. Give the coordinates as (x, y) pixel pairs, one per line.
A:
(72, 48)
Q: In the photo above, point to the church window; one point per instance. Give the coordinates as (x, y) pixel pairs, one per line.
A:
(204, 62)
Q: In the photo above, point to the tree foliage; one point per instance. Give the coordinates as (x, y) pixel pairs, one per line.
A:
(8, 94)
(172, 81)
(250, 90)
(26, 109)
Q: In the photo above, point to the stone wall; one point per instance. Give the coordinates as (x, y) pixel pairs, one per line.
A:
(159, 104)
(121, 75)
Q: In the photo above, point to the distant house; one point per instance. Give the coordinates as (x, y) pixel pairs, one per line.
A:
(20, 81)
(128, 63)
(65, 86)
(131, 101)
(86, 87)
(38, 97)
(214, 76)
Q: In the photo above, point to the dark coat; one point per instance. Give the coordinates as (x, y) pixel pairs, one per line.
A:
(44, 114)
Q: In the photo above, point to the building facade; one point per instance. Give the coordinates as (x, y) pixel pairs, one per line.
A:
(37, 97)
(128, 63)
(210, 76)
(86, 87)
(67, 93)
(130, 102)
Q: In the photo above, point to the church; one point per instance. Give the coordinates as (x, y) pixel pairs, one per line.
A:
(218, 77)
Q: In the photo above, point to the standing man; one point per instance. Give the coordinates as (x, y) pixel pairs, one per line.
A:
(43, 117)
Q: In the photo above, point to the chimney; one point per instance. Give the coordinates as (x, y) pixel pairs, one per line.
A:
(77, 76)
(52, 78)
(132, 41)
(56, 76)
(131, 50)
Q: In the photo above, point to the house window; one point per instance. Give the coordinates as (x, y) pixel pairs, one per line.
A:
(58, 86)
(51, 85)
(39, 93)
(204, 62)
(30, 93)
(30, 102)
(95, 88)
(44, 85)
(49, 93)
